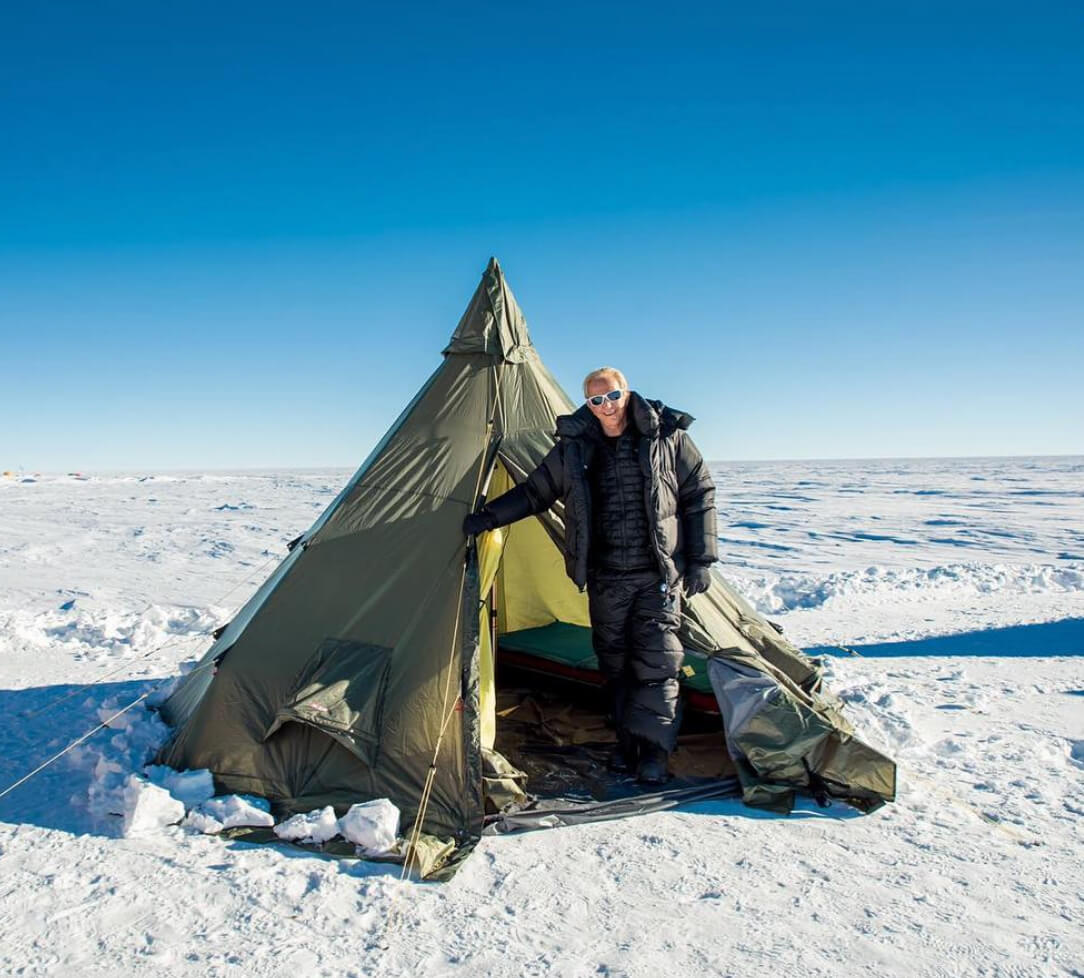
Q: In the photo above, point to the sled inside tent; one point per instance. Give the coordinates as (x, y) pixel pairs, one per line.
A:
(366, 666)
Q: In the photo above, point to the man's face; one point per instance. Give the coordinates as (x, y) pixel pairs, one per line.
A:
(611, 414)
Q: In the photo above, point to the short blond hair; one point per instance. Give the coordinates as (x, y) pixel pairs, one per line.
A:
(619, 378)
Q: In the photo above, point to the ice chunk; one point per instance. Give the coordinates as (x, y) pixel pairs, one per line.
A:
(188, 787)
(373, 826)
(230, 812)
(317, 826)
(232, 809)
(207, 824)
(148, 807)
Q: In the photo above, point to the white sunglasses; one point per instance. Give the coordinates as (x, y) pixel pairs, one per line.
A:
(599, 399)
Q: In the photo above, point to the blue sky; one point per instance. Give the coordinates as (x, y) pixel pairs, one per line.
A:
(239, 235)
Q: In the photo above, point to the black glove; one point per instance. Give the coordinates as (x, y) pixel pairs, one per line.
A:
(474, 523)
(697, 579)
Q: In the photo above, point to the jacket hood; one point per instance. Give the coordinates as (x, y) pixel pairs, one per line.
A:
(649, 418)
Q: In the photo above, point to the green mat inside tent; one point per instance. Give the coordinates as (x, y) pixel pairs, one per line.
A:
(569, 647)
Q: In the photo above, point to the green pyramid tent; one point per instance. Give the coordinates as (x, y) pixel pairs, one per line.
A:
(364, 667)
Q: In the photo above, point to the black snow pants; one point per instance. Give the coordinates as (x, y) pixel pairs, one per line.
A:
(634, 629)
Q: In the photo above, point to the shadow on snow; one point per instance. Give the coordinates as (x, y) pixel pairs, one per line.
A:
(38, 722)
(1053, 638)
(41, 721)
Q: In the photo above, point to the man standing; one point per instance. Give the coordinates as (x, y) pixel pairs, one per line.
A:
(639, 529)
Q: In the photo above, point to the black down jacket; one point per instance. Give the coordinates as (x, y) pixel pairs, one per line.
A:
(679, 492)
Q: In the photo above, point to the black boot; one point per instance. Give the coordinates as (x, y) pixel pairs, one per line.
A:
(623, 758)
(624, 755)
(652, 768)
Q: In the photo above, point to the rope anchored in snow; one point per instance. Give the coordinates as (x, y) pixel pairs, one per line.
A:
(75, 743)
(101, 679)
(450, 710)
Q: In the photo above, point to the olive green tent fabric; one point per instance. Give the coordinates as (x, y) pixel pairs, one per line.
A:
(356, 659)
(354, 671)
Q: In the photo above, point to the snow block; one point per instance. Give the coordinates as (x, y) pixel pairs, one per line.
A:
(191, 788)
(317, 826)
(373, 826)
(230, 812)
(147, 807)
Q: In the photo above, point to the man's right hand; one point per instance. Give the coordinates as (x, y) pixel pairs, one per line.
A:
(480, 522)
(697, 579)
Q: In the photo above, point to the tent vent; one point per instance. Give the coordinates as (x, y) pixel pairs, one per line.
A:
(340, 691)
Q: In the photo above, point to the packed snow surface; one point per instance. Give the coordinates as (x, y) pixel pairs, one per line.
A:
(941, 574)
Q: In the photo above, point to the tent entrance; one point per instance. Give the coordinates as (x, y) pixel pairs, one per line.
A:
(554, 731)
(545, 717)
(542, 704)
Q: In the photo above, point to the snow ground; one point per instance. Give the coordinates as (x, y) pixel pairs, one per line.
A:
(944, 572)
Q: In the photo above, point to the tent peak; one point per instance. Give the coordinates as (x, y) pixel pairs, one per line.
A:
(493, 322)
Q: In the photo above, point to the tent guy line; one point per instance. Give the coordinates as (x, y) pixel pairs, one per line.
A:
(101, 679)
(948, 795)
(75, 743)
(449, 712)
(482, 477)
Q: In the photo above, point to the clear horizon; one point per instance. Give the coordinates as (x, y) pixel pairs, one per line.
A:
(240, 470)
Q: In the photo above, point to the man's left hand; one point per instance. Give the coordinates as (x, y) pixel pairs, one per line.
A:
(697, 579)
